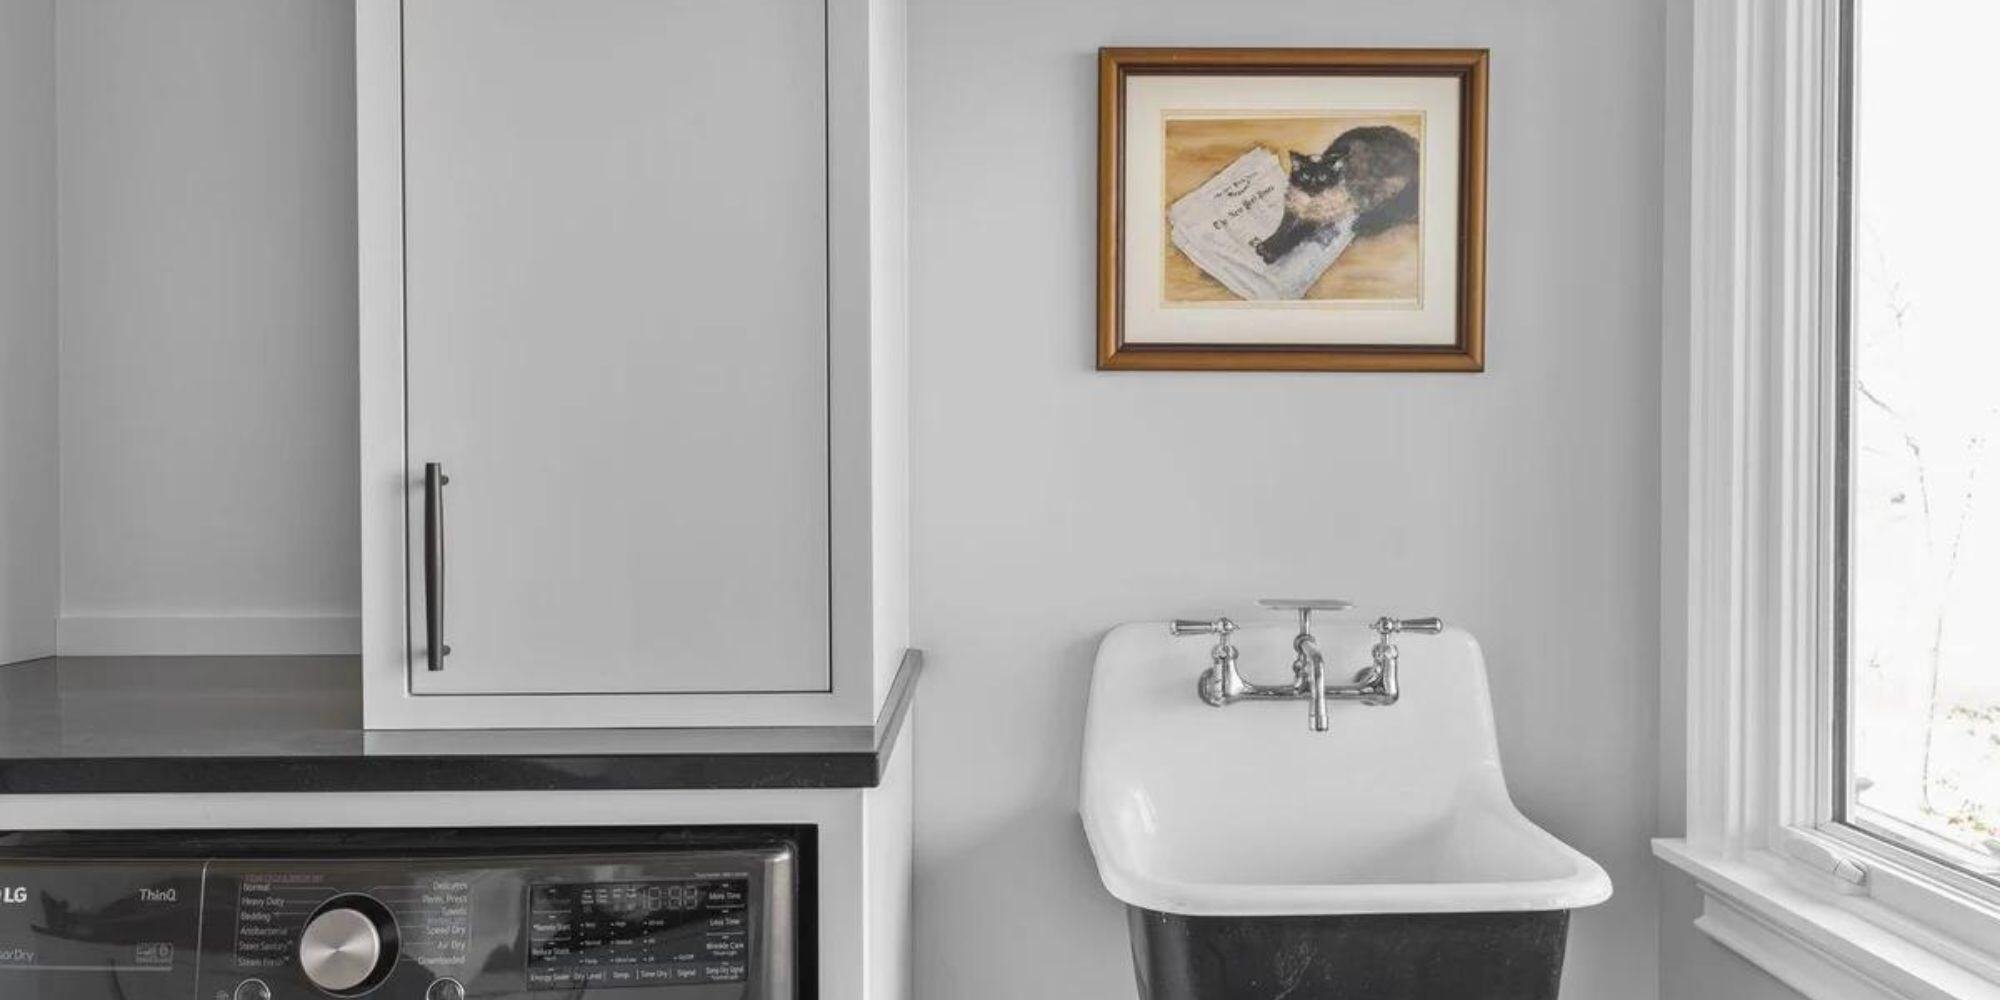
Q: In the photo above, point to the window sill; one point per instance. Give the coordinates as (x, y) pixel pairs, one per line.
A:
(1825, 944)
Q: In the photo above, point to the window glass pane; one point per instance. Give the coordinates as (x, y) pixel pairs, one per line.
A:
(1923, 567)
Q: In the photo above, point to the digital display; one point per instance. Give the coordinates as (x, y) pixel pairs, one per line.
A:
(640, 933)
(650, 897)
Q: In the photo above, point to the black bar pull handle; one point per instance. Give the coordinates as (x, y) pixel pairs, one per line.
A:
(434, 482)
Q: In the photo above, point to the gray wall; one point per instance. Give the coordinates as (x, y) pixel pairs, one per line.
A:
(208, 315)
(1052, 501)
(28, 540)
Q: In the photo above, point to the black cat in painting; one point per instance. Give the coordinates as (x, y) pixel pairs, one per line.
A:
(1368, 175)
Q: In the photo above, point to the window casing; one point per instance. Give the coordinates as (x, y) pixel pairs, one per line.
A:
(1789, 879)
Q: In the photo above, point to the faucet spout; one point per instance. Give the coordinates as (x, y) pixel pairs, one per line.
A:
(1315, 680)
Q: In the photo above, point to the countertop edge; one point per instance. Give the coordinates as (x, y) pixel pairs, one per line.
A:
(497, 772)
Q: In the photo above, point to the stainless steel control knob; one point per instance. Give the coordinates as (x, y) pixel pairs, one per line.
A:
(348, 946)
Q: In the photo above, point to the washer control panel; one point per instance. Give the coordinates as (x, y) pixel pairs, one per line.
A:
(652, 932)
(708, 923)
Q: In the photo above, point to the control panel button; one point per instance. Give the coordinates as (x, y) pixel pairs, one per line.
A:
(445, 989)
(251, 989)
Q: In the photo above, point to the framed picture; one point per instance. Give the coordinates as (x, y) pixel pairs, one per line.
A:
(1291, 209)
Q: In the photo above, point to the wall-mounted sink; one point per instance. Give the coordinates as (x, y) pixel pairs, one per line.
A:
(1239, 828)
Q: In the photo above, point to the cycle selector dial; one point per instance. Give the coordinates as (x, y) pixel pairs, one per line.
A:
(349, 945)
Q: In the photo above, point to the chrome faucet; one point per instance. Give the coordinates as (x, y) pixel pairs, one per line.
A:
(1375, 684)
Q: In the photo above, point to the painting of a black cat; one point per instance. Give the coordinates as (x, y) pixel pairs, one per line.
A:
(1366, 178)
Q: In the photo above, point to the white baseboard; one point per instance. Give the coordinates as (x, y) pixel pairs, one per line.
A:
(194, 635)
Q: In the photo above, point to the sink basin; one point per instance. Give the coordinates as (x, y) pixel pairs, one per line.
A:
(1259, 859)
(1242, 810)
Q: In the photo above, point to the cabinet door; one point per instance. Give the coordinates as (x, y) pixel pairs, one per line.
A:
(616, 337)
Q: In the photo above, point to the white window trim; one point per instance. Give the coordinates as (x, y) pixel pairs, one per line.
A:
(1832, 915)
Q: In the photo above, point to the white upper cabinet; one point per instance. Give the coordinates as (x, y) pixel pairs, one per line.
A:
(631, 283)
(616, 324)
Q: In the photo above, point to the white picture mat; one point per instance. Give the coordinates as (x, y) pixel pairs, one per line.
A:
(1151, 100)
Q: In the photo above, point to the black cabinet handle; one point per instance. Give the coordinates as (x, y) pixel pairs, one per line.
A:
(434, 480)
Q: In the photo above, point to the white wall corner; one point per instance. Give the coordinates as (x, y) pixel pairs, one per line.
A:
(206, 338)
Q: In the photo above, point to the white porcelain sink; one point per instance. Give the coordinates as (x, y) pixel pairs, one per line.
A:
(1243, 811)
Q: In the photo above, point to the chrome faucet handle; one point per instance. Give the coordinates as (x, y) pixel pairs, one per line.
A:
(1382, 673)
(1386, 626)
(1191, 626)
(1220, 683)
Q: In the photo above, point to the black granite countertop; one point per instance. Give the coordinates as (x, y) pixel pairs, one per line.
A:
(104, 725)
